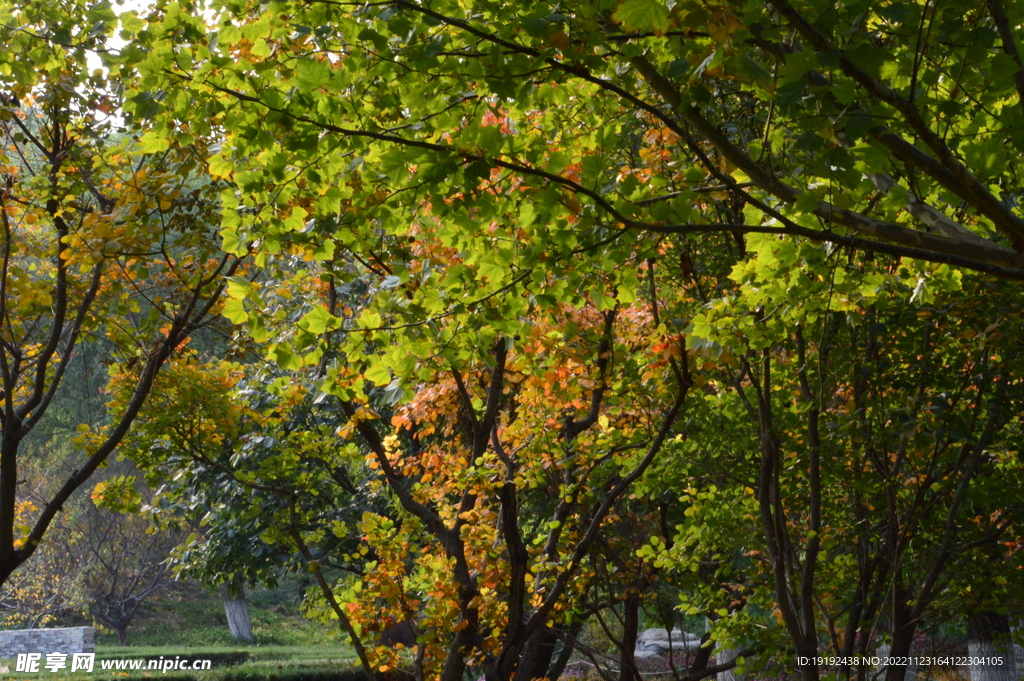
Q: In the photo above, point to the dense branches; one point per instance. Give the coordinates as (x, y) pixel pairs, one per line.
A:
(528, 278)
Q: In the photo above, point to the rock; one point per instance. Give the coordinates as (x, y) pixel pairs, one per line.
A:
(658, 642)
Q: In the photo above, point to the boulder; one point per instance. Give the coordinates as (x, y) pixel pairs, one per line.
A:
(658, 642)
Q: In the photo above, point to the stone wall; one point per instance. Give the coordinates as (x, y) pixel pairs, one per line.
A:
(69, 640)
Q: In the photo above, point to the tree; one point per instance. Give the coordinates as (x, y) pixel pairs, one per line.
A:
(988, 636)
(559, 490)
(481, 95)
(236, 610)
(875, 466)
(124, 559)
(255, 473)
(491, 167)
(101, 237)
(571, 429)
(48, 586)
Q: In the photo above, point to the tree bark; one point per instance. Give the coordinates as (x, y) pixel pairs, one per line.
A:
(568, 646)
(988, 635)
(631, 623)
(237, 610)
(544, 656)
(902, 647)
(723, 656)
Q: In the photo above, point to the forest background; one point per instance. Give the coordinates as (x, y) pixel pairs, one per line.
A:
(500, 320)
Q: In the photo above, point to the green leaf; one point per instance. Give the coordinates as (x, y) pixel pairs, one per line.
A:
(131, 22)
(324, 250)
(746, 70)
(311, 74)
(378, 374)
(232, 244)
(261, 48)
(229, 35)
(318, 320)
(153, 142)
(285, 358)
(807, 202)
(219, 166)
(642, 15)
(238, 288)
(235, 311)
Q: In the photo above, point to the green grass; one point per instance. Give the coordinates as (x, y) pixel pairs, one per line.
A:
(190, 616)
(310, 662)
(295, 653)
(189, 622)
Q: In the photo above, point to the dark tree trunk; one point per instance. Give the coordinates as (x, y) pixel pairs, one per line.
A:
(703, 656)
(122, 636)
(630, 625)
(528, 656)
(903, 630)
(237, 610)
(568, 646)
(547, 651)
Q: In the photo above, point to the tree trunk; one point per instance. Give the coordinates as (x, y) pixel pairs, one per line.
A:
(122, 636)
(237, 610)
(896, 672)
(728, 655)
(906, 672)
(988, 635)
(889, 673)
(1018, 651)
(527, 656)
(903, 630)
(568, 646)
(547, 651)
(631, 623)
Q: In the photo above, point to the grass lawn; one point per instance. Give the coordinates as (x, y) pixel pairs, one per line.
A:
(189, 622)
(315, 662)
(190, 616)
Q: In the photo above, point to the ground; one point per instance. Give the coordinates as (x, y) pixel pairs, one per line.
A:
(189, 621)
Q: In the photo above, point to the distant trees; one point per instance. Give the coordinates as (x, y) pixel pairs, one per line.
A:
(97, 562)
(101, 237)
(47, 587)
(123, 562)
(883, 432)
